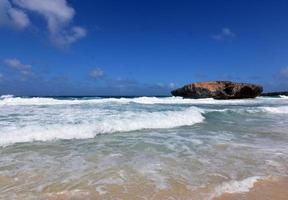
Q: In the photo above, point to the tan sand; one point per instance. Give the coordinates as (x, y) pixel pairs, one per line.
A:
(268, 189)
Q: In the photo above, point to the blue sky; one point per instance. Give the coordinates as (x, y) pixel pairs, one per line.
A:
(105, 47)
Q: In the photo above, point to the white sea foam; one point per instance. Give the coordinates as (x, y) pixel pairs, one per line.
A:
(235, 186)
(127, 121)
(253, 109)
(284, 96)
(6, 96)
(276, 110)
(8, 100)
(23, 123)
(14, 101)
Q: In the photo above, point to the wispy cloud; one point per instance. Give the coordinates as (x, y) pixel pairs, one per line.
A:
(69, 36)
(58, 15)
(225, 33)
(167, 85)
(284, 73)
(19, 17)
(11, 16)
(278, 81)
(96, 73)
(16, 64)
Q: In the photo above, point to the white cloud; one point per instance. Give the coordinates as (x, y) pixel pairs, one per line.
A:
(225, 33)
(279, 82)
(284, 73)
(96, 73)
(172, 85)
(167, 85)
(69, 37)
(57, 12)
(19, 17)
(58, 15)
(10, 16)
(18, 65)
(1, 78)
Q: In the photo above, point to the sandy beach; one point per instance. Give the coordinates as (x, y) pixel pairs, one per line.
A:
(268, 189)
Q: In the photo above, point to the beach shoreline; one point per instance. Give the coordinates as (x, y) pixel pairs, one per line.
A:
(266, 188)
(143, 148)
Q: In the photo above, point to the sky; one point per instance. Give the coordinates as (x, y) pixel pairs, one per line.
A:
(143, 47)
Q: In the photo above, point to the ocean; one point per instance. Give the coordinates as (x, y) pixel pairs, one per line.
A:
(140, 147)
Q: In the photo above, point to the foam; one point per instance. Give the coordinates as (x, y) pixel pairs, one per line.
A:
(276, 110)
(14, 101)
(235, 186)
(127, 121)
(6, 96)
(9, 100)
(250, 109)
(283, 96)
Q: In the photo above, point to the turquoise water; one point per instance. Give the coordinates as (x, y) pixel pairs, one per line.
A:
(53, 146)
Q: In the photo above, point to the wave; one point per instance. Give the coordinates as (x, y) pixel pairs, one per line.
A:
(275, 110)
(127, 121)
(283, 96)
(6, 96)
(14, 101)
(251, 110)
(9, 100)
(235, 186)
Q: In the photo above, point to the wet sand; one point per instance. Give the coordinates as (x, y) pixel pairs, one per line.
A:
(268, 189)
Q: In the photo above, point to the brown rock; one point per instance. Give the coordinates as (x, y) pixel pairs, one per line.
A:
(219, 90)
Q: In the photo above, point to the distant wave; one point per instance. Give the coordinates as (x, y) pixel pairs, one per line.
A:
(14, 101)
(6, 96)
(128, 121)
(284, 96)
(276, 110)
(266, 109)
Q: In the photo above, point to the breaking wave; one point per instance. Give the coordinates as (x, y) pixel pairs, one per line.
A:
(127, 121)
(25, 124)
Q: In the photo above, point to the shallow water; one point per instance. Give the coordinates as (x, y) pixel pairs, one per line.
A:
(139, 148)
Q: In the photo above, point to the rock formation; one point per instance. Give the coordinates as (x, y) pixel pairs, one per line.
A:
(219, 90)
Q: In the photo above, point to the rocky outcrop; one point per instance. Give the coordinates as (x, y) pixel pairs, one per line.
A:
(219, 90)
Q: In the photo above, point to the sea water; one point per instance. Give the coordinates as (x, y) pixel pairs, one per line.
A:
(139, 148)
